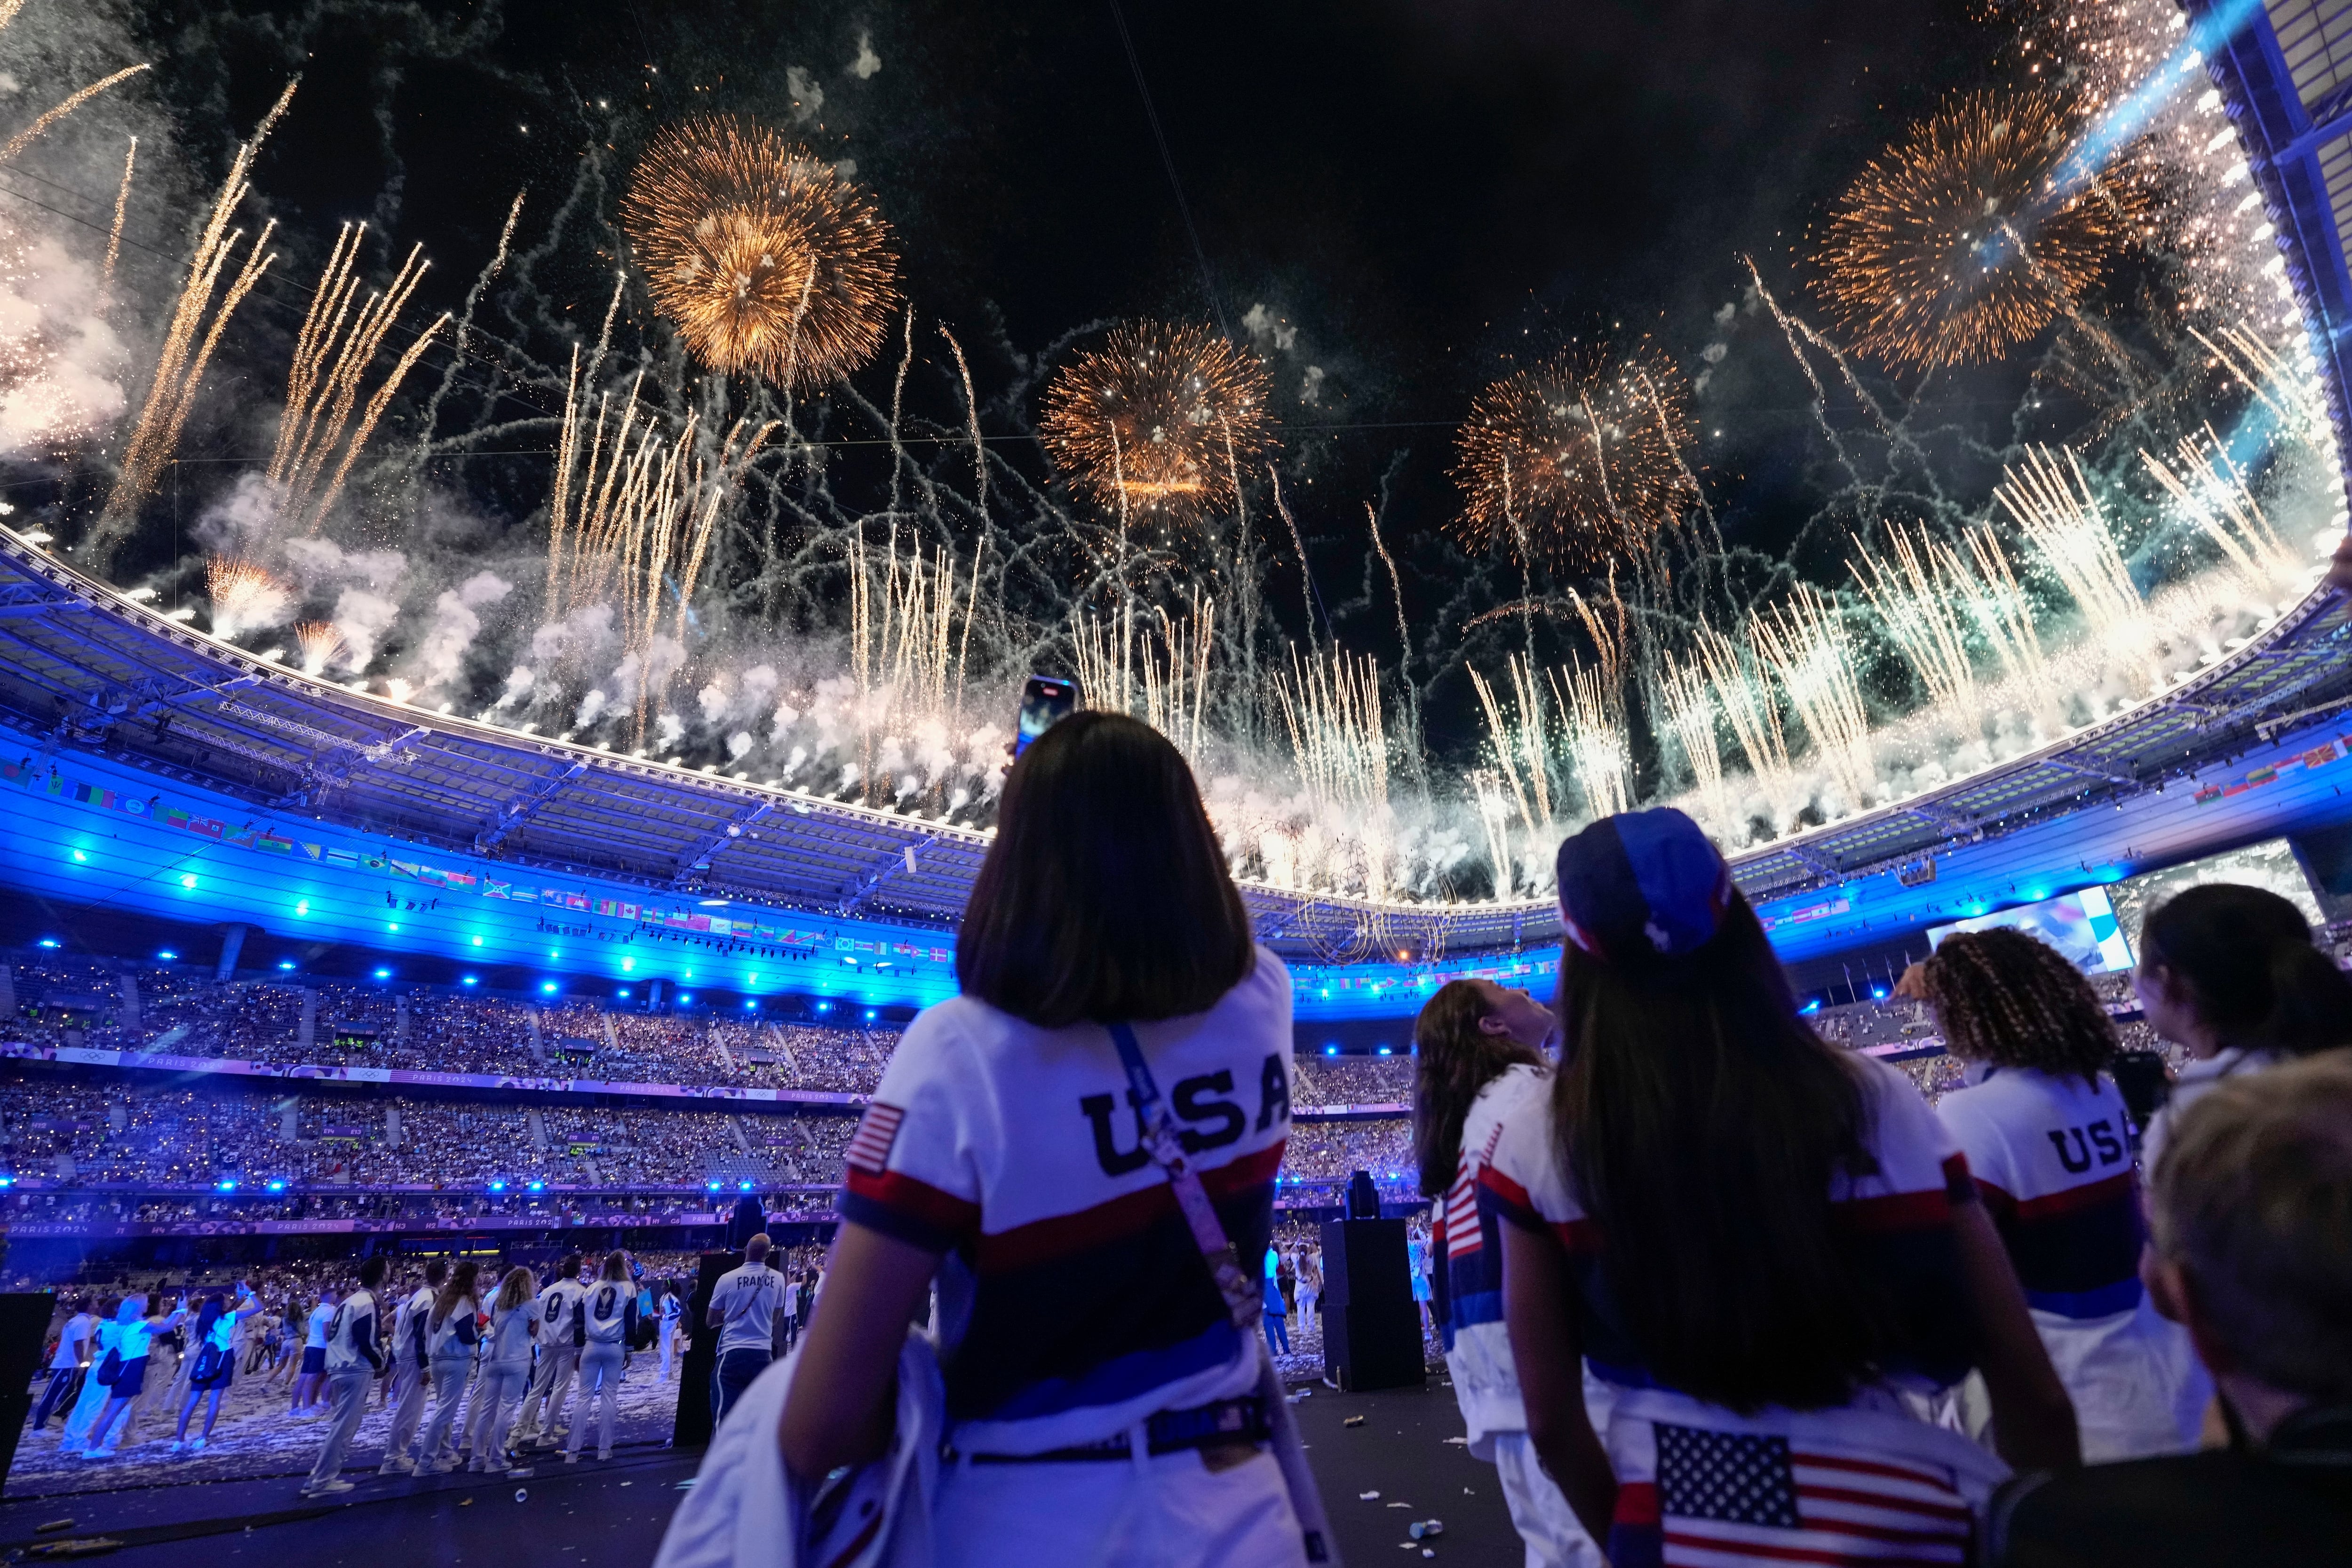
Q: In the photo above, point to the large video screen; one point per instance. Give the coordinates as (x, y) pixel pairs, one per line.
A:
(2082, 925)
(2271, 865)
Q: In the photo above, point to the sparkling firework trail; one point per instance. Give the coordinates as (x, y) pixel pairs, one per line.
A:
(180, 367)
(122, 206)
(1804, 643)
(331, 355)
(32, 133)
(2062, 519)
(768, 261)
(1577, 460)
(1918, 596)
(1688, 707)
(1958, 242)
(1157, 419)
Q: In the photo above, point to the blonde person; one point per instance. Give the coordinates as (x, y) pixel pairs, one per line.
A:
(506, 1368)
(602, 1329)
(452, 1328)
(559, 1357)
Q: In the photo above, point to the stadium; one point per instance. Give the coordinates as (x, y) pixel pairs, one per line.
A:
(305, 967)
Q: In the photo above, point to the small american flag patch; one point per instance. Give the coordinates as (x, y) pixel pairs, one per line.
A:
(869, 1151)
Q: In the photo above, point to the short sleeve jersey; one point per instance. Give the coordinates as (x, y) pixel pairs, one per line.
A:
(1899, 1216)
(2052, 1159)
(1072, 1298)
(1469, 1244)
(747, 1301)
(78, 1328)
(320, 1316)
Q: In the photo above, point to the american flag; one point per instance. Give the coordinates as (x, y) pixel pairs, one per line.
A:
(869, 1151)
(1461, 1236)
(1736, 1498)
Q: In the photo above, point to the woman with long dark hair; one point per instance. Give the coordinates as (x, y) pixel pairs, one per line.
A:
(1101, 1399)
(1762, 1241)
(212, 1362)
(2229, 972)
(1479, 1054)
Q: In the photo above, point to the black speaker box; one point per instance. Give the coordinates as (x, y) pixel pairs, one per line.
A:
(1371, 1329)
(24, 1335)
(693, 1426)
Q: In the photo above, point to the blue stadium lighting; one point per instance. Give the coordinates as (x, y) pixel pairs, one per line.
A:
(624, 991)
(628, 964)
(277, 1187)
(743, 1186)
(285, 963)
(539, 1186)
(471, 980)
(391, 925)
(869, 1015)
(1386, 1052)
(686, 996)
(751, 1007)
(80, 858)
(498, 1186)
(714, 1187)
(167, 956)
(229, 1185)
(48, 942)
(383, 974)
(1878, 993)
(1811, 1008)
(548, 986)
(7, 1181)
(478, 941)
(555, 952)
(189, 880)
(821, 1006)
(302, 906)
(1330, 1050)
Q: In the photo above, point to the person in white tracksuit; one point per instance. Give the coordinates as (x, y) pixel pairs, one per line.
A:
(1481, 1053)
(506, 1368)
(452, 1328)
(667, 1314)
(408, 1369)
(605, 1323)
(559, 1357)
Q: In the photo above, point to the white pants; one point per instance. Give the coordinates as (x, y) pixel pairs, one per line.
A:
(600, 1379)
(668, 1332)
(449, 1371)
(1554, 1536)
(548, 1388)
(496, 1395)
(408, 1407)
(347, 1395)
(1164, 1512)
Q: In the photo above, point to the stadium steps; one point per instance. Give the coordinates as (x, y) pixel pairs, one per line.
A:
(735, 1131)
(538, 1124)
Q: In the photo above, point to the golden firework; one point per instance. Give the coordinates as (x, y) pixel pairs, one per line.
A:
(1159, 418)
(1577, 459)
(243, 596)
(320, 643)
(767, 260)
(1972, 233)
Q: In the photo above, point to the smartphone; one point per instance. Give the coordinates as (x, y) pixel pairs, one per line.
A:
(1045, 701)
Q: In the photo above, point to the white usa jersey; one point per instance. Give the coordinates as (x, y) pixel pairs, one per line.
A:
(1072, 1300)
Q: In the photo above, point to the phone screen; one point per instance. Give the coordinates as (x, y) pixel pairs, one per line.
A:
(1045, 701)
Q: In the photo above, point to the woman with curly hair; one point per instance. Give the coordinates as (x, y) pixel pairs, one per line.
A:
(2048, 1142)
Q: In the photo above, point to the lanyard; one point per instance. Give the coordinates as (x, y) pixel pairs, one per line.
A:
(1243, 1300)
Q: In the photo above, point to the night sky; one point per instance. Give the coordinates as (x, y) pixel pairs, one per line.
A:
(1423, 192)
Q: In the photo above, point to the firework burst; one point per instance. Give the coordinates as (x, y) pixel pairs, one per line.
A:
(1160, 419)
(243, 596)
(767, 260)
(320, 643)
(1968, 237)
(1577, 460)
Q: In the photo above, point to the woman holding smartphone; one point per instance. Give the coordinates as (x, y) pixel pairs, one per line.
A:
(1102, 1404)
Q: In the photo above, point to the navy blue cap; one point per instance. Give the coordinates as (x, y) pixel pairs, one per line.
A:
(1641, 882)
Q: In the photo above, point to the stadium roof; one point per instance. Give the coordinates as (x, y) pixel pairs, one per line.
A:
(96, 670)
